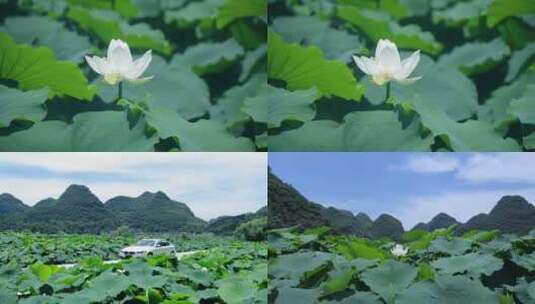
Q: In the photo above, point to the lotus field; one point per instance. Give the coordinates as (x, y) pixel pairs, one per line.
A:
(401, 75)
(224, 270)
(427, 267)
(132, 75)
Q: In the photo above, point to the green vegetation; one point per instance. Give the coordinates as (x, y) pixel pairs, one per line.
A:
(476, 63)
(78, 210)
(254, 230)
(224, 271)
(208, 60)
(479, 267)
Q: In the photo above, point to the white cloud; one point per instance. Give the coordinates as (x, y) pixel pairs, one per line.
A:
(431, 163)
(211, 184)
(461, 205)
(499, 167)
(67, 162)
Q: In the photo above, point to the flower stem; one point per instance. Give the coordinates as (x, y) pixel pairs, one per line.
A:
(388, 91)
(120, 95)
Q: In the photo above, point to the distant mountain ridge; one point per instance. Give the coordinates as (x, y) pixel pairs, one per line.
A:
(441, 220)
(78, 210)
(289, 208)
(512, 214)
(227, 224)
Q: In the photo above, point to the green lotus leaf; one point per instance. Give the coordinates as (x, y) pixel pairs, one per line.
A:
(519, 60)
(338, 281)
(473, 264)
(275, 105)
(108, 25)
(529, 141)
(90, 131)
(447, 290)
(205, 58)
(358, 251)
(45, 31)
(173, 87)
(252, 60)
(196, 275)
(461, 12)
(362, 131)
(126, 8)
(234, 9)
(17, 105)
(475, 58)
(41, 299)
(229, 108)
(381, 131)
(43, 272)
(289, 295)
(496, 246)
(378, 25)
(62, 280)
(497, 105)
(312, 31)
(54, 8)
(524, 291)
(361, 297)
(472, 135)
(526, 261)
(389, 279)
(481, 236)
(36, 68)
(296, 265)
(236, 289)
(425, 272)
(455, 246)
(305, 67)
(152, 8)
(501, 9)
(202, 135)
(7, 296)
(524, 108)
(316, 135)
(106, 284)
(193, 12)
(141, 275)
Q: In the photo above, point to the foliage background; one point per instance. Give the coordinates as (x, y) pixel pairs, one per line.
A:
(208, 61)
(476, 93)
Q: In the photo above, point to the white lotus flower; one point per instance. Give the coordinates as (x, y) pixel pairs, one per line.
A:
(119, 66)
(387, 64)
(399, 250)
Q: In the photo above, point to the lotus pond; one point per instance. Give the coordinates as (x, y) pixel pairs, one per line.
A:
(477, 85)
(438, 267)
(203, 67)
(225, 271)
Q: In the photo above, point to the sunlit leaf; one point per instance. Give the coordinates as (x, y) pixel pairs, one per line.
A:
(378, 25)
(304, 68)
(90, 131)
(36, 68)
(15, 104)
(233, 9)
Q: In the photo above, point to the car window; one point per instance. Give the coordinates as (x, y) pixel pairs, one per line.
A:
(146, 243)
(165, 243)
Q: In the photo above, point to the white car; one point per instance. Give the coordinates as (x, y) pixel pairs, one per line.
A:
(148, 247)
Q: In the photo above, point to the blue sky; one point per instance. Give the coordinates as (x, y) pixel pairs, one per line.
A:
(212, 184)
(411, 186)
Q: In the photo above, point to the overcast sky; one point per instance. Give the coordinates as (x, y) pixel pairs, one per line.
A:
(413, 187)
(211, 184)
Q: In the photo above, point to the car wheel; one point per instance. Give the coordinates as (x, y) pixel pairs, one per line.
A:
(149, 254)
